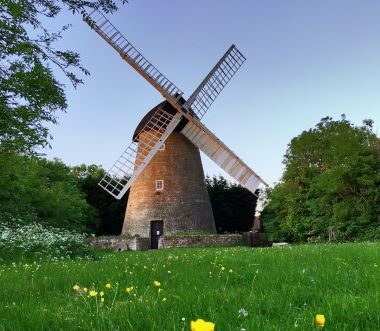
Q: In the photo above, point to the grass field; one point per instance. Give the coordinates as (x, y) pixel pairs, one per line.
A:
(236, 288)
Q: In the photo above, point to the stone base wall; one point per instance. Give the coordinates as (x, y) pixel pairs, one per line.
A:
(119, 244)
(200, 241)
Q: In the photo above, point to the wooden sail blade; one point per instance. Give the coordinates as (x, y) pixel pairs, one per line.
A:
(224, 157)
(101, 25)
(219, 76)
(138, 154)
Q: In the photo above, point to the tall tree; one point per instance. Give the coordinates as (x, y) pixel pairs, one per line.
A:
(330, 187)
(233, 205)
(110, 211)
(30, 95)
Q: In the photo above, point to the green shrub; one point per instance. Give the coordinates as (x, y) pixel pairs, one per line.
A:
(34, 240)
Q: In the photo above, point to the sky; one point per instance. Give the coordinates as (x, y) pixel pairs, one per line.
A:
(305, 60)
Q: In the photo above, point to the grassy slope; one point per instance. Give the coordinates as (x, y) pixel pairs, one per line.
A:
(281, 289)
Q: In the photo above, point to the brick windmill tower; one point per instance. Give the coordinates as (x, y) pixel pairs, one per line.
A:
(162, 164)
(169, 195)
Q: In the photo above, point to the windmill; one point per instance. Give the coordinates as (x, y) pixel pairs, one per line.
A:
(175, 117)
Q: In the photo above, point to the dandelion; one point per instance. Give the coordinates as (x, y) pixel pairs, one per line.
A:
(85, 289)
(201, 325)
(129, 289)
(157, 283)
(108, 285)
(93, 293)
(101, 293)
(76, 287)
(223, 268)
(320, 320)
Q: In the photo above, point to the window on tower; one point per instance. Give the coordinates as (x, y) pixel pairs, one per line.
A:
(159, 184)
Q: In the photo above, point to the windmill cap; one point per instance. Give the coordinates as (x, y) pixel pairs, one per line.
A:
(167, 107)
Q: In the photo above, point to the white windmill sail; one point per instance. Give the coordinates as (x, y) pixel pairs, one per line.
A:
(207, 91)
(137, 155)
(101, 25)
(224, 157)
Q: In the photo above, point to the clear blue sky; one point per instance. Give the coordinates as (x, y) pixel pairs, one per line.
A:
(305, 60)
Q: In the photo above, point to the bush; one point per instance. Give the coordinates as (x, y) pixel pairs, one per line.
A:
(34, 240)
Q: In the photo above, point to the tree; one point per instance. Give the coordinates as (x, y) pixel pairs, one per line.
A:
(330, 187)
(36, 189)
(30, 95)
(233, 205)
(110, 211)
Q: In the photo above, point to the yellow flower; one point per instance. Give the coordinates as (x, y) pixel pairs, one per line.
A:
(101, 293)
(93, 293)
(129, 289)
(85, 289)
(157, 283)
(201, 325)
(320, 320)
(101, 299)
(76, 287)
(230, 270)
(223, 268)
(108, 285)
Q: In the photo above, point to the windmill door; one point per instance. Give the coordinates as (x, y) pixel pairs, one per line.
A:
(156, 231)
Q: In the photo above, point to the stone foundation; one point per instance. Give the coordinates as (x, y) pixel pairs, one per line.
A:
(119, 244)
(200, 241)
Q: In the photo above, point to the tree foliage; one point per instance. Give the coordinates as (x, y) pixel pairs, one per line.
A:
(109, 210)
(30, 95)
(36, 189)
(330, 188)
(233, 205)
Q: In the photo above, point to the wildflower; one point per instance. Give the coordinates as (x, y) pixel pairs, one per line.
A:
(223, 268)
(101, 293)
(85, 289)
(76, 287)
(108, 285)
(201, 325)
(183, 319)
(243, 312)
(230, 271)
(101, 299)
(320, 320)
(157, 283)
(129, 289)
(93, 293)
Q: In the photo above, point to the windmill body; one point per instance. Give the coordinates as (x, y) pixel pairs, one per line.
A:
(170, 195)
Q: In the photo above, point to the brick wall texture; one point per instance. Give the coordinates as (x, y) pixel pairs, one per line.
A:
(183, 204)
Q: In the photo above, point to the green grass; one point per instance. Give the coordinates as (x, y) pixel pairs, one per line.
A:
(280, 288)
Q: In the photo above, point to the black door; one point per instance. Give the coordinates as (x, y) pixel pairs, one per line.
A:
(156, 231)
